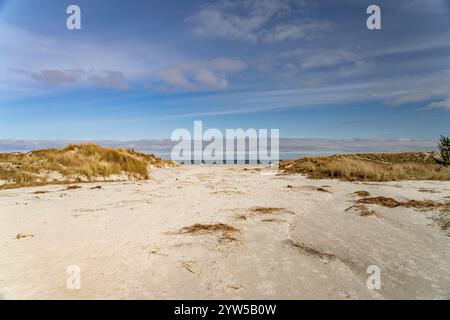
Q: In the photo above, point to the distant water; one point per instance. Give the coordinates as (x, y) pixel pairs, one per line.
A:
(283, 155)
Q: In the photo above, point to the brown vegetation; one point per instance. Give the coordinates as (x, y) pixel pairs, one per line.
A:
(223, 232)
(267, 210)
(188, 267)
(74, 163)
(313, 188)
(392, 203)
(72, 188)
(22, 236)
(361, 193)
(441, 216)
(362, 210)
(310, 251)
(381, 201)
(208, 228)
(370, 167)
(273, 220)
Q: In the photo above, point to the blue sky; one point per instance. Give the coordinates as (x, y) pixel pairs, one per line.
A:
(140, 69)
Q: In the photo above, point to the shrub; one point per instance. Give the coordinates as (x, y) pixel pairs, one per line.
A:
(444, 151)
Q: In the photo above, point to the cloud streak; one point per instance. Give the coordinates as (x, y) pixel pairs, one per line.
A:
(200, 75)
(256, 21)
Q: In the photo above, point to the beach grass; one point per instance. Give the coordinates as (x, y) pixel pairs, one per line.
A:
(370, 167)
(77, 162)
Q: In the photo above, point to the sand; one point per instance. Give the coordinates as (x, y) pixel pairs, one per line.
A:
(256, 237)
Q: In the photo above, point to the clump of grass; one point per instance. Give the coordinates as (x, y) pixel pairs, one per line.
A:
(222, 232)
(381, 201)
(273, 220)
(441, 216)
(23, 236)
(416, 204)
(40, 192)
(370, 167)
(362, 210)
(208, 228)
(82, 162)
(72, 188)
(428, 191)
(267, 210)
(188, 267)
(361, 193)
(309, 250)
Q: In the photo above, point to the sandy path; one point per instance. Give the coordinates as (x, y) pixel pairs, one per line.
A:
(124, 238)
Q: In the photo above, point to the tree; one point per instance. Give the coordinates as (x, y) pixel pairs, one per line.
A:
(444, 151)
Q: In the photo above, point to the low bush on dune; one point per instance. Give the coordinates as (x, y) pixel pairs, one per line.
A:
(84, 162)
(370, 167)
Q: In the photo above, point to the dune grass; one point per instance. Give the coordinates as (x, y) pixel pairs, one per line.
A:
(83, 162)
(370, 167)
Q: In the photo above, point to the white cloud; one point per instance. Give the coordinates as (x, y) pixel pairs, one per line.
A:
(55, 76)
(113, 79)
(30, 60)
(301, 29)
(328, 59)
(200, 75)
(444, 104)
(255, 21)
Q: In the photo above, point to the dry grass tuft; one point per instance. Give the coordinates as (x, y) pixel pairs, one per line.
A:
(313, 188)
(267, 210)
(273, 220)
(310, 251)
(227, 238)
(208, 228)
(40, 192)
(428, 191)
(74, 163)
(423, 204)
(252, 169)
(222, 232)
(416, 204)
(370, 167)
(72, 188)
(441, 214)
(187, 267)
(361, 193)
(23, 236)
(362, 210)
(381, 201)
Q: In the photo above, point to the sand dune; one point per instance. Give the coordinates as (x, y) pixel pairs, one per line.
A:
(224, 232)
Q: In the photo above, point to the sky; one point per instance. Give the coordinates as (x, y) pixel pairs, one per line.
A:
(141, 69)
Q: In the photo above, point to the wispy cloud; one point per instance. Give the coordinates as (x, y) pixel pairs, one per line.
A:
(256, 21)
(113, 79)
(443, 104)
(53, 77)
(198, 75)
(29, 59)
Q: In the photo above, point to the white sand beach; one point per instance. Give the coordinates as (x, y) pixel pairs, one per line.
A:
(288, 237)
